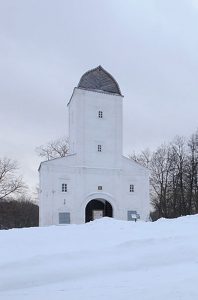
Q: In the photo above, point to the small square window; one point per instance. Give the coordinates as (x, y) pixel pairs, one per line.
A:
(64, 187)
(131, 188)
(99, 187)
(99, 148)
(100, 114)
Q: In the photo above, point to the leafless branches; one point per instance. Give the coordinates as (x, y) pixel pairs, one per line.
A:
(10, 183)
(174, 177)
(54, 149)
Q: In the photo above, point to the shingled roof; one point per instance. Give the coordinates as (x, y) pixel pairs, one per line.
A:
(99, 79)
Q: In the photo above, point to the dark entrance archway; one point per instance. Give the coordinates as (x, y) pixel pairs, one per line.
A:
(98, 208)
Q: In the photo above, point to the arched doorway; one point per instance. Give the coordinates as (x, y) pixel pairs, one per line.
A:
(98, 208)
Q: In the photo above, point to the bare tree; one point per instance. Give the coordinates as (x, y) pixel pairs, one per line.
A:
(54, 149)
(10, 183)
(192, 174)
(173, 177)
(162, 166)
(144, 158)
(180, 165)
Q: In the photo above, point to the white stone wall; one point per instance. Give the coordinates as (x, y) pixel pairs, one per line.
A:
(86, 130)
(85, 168)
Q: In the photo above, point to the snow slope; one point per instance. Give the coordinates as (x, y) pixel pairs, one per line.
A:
(104, 259)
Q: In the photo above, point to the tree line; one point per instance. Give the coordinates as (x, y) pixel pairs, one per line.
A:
(16, 209)
(173, 181)
(18, 213)
(173, 177)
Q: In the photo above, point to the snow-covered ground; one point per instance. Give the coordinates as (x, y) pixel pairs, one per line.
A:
(104, 259)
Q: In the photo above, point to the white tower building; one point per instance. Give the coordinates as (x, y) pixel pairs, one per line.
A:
(95, 179)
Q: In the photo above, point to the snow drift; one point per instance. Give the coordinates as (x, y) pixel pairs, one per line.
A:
(104, 259)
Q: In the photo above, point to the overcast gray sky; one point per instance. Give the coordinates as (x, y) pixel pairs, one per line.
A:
(150, 47)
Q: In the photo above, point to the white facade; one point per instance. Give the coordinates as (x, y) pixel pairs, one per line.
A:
(95, 169)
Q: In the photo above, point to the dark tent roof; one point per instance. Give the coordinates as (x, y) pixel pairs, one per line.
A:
(99, 80)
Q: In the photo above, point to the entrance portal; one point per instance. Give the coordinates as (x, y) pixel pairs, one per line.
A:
(98, 208)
